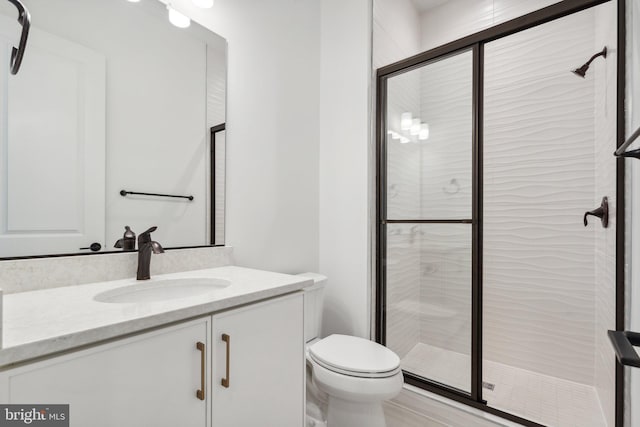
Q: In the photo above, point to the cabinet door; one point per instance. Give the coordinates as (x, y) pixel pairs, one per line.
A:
(147, 380)
(266, 365)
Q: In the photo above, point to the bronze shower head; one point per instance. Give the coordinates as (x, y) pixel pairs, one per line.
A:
(582, 71)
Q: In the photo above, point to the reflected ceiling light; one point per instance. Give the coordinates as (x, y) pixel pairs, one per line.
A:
(424, 132)
(415, 127)
(393, 135)
(404, 140)
(177, 18)
(406, 121)
(205, 4)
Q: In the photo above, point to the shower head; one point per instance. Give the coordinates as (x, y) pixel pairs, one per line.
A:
(582, 71)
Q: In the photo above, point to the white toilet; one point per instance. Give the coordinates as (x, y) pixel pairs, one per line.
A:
(348, 376)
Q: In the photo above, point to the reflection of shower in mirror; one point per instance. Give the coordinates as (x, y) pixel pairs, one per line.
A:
(452, 188)
(392, 192)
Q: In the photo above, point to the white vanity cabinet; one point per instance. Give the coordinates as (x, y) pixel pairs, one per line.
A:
(153, 379)
(145, 380)
(266, 365)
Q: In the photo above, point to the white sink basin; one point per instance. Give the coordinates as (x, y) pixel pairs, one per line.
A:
(162, 290)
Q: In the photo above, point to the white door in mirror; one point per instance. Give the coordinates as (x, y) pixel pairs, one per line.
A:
(53, 150)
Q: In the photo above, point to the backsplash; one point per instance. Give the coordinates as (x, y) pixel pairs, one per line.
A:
(43, 273)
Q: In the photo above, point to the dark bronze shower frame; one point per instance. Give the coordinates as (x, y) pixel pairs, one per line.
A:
(476, 42)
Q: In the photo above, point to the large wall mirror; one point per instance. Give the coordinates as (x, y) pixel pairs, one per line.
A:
(111, 98)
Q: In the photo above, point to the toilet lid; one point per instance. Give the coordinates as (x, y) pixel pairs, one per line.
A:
(354, 355)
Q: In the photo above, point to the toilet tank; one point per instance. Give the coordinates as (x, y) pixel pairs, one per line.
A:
(313, 298)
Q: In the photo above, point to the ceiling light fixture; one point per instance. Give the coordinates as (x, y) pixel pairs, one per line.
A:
(177, 18)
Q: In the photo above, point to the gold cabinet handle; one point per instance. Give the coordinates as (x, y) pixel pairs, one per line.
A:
(226, 338)
(203, 361)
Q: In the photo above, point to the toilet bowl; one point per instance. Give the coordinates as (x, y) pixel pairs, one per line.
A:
(349, 377)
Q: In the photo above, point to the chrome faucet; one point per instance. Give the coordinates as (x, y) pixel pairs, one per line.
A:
(145, 247)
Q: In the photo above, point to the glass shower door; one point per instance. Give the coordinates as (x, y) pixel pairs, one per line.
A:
(548, 277)
(426, 219)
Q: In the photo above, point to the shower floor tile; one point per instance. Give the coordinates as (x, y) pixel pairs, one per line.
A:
(551, 401)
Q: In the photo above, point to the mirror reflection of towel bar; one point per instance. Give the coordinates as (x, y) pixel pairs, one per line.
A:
(123, 193)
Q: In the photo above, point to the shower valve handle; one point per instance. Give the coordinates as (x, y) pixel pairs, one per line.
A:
(602, 212)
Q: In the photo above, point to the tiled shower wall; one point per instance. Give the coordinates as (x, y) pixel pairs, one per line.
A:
(605, 239)
(396, 35)
(403, 257)
(538, 258)
(429, 265)
(445, 193)
(575, 311)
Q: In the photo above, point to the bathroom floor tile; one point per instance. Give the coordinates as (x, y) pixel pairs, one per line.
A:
(551, 401)
(398, 416)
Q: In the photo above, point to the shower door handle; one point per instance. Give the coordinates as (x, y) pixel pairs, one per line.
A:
(602, 212)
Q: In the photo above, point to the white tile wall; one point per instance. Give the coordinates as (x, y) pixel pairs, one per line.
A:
(459, 18)
(403, 264)
(604, 76)
(445, 288)
(404, 170)
(538, 181)
(428, 281)
(446, 105)
(403, 288)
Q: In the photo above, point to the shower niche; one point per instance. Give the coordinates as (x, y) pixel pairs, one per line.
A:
(489, 286)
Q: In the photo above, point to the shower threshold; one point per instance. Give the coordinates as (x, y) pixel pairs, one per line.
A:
(547, 400)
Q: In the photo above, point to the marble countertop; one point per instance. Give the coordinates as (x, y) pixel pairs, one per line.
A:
(48, 321)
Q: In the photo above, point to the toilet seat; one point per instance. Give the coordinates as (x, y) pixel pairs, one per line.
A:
(355, 357)
(356, 389)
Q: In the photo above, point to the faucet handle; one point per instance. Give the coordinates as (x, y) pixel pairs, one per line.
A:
(156, 247)
(151, 230)
(146, 236)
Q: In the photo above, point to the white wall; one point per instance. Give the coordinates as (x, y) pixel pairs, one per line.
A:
(272, 124)
(344, 172)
